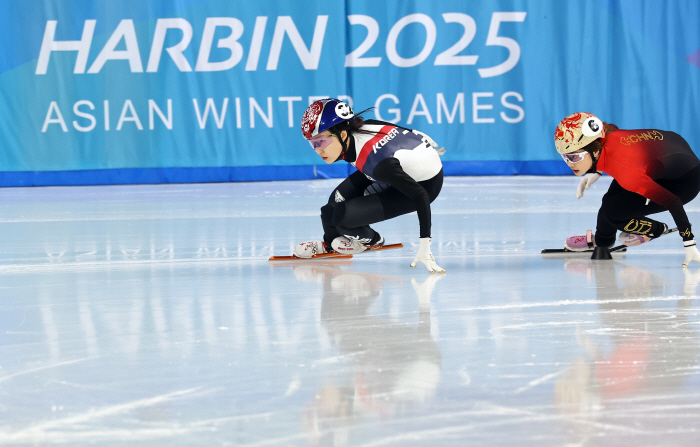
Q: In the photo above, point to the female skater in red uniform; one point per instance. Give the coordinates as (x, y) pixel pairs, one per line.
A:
(653, 171)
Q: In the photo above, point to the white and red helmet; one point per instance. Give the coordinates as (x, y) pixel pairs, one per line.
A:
(577, 131)
(324, 114)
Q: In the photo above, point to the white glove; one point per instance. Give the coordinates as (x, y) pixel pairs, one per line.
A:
(430, 141)
(691, 253)
(427, 138)
(586, 183)
(426, 257)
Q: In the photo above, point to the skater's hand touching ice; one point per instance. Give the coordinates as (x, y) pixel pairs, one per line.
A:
(426, 257)
(691, 253)
(585, 183)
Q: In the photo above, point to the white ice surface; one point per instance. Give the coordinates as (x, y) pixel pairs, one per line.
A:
(150, 315)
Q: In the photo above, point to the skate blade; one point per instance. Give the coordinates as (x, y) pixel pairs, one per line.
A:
(327, 256)
(383, 247)
(548, 252)
(330, 256)
(565, 252)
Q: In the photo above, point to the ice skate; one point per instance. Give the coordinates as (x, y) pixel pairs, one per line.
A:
(632, 240)
(315, 250)
(575, 244)
(580, 243)
(348, 246)
(311, 248)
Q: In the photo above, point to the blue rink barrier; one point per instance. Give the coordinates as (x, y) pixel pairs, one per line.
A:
(162, 91)
(255, 173)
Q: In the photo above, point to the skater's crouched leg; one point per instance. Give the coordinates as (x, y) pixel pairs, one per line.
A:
(605, 231)
(625, 211)
(352, 218)
(329, 230)
(641, 228)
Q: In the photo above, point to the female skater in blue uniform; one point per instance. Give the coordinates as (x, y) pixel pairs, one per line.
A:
(398, 171)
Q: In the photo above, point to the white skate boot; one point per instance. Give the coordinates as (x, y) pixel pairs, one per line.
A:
(632, 240)
(308, 249)
(347, 246)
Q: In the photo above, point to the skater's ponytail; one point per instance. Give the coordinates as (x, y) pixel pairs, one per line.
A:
(352, 126)
(610, 127)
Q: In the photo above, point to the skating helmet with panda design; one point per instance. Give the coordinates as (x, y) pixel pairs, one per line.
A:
(324, 114)
(577, 131)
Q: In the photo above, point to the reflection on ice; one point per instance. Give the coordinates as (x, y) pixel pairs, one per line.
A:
(149, 315)
(393, 366)
(638, 354)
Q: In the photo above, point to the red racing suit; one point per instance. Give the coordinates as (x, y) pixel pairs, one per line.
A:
(637, 159)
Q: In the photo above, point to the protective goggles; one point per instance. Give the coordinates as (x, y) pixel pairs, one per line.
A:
(574, 157)
(318, 143)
